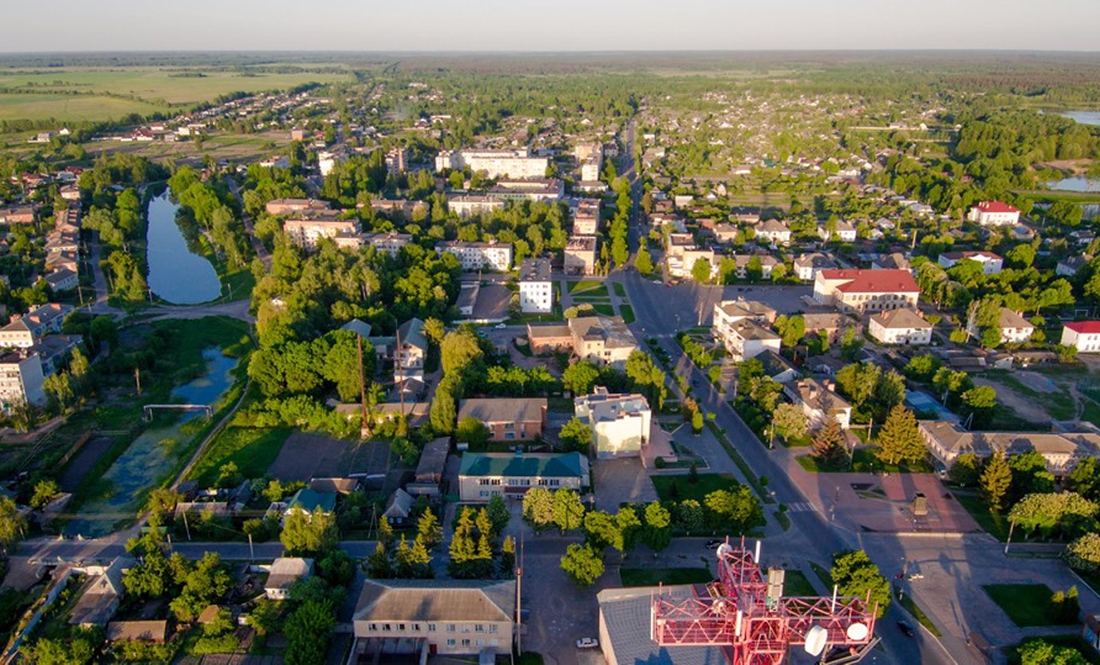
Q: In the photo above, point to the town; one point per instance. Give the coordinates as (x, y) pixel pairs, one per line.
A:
(540, 362)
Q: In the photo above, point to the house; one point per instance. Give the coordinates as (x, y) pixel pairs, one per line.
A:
(778, 368)
(483, 475)
(430, 468)
(832, 324)
(580, 255)
(744, 339)
(866, 291)
(807, 265)
(620, 422)
(895, 261)
(549, 337)
(21, 379)
(724, 233)
(774, 232)
(844, 232)
(412, 348)
(683, 263)
(994, 213)
(990, 262)
(361, 328)
(900, 326)
(137, 631)
(604, 340)
(309, 501)
(1014, 328)
(24, 331)
(536, 291)
(507, 418)
(728, 312)
(62, 280)
(445, 617)
(471, 256)
(285, 573)
(1061, 451)
(1069, 266)
(743, 261)
(100, 598)
(819, 403)
(21, 214)
(1082, 335)
(399, 507)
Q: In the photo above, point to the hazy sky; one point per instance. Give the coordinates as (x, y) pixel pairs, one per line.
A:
(564, 25)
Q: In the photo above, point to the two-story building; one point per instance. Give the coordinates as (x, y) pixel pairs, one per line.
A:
(580, 255)
(994, 213)
(900, 326)
(808, 265)
(990, 262)
(620, 422)
(1060, 450)
(507, 418)
(866, 291)
(744, 339)
(1082, 335)
(774, 232)
(604, 340)
(482, 476)
(818, 403)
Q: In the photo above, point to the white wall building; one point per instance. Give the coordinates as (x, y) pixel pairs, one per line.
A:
(900, 326)
(516, 163)
(866, 291)
(991, 263)
(620, 423)
(1082, 335)
(536, 290)
(491, 255)
(994, 213)
(21, 379)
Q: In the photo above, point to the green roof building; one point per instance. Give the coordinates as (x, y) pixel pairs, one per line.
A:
(482, 475)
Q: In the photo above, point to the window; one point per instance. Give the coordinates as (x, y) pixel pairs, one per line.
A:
(450, 628)
(509, 435)
(492, 629)
(431, 627)
(400, 627)
(479, 628)
(416, 627)
(483, 493)
(451, 642)
(374, 628)
(509, 425)
(386, 627)
(465, 642)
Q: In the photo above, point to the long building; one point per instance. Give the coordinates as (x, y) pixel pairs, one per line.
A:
(491, 255)
(515, 163)
(1061, 451)
(484, 475)
(866, 291)
(25, 331)
(309, 231)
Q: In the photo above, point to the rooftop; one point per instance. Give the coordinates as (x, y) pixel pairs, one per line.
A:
(503, 409)
(953, 438)
(901, 319)
(437, 600)
(996, 206)
(611, 329)
(534, 270)
(1085, 327)
(523, 465)
(627, 614)
(873, 281)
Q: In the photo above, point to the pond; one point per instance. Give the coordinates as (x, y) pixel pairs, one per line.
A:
(176, 274)
(1077, 183)
(153, 453)
(1083, 117)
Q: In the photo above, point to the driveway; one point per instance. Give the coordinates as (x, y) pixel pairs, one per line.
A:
(620, 481)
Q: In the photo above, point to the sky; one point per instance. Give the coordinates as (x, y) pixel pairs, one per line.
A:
(558, 25)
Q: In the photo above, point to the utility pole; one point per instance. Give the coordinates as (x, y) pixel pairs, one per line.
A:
(186, 527)
(1011, 528)
(251, 552)
(519, 599)
(364, 426)
(137, 379)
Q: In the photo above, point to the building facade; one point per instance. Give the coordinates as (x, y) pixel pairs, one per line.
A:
(507, 418)
(866, 291)
(482, 476)
(536, 290)
(21, 379)
(496, 256)
(900, 326)
(994, 213)
(580, 255)
(1082, 335)
(620, 423)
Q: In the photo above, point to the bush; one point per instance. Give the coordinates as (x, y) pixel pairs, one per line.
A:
(208, 644)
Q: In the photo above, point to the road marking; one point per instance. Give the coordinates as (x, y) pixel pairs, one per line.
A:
(801, 507)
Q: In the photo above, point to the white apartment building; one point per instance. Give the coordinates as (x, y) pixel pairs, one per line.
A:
(24, 331)
(743, 338)
(620, 423)
(994, 213)
(900, 326)
(21, 379)
(1082, 335)
(866, 291)
(390, 243)
(490, 255)
(308, 232)
(590, 169)
(469, 205)
(536, 290)
(991, 263)
(517, 163)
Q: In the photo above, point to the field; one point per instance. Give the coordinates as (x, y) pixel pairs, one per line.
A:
(253, 450)
(103, 93)
(1025, 604)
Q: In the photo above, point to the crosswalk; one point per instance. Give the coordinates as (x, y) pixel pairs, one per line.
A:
(801, 507)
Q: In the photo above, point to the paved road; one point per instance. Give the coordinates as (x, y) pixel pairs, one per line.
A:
(45, 551)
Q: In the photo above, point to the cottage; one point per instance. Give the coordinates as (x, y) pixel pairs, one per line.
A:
(285, 573)
(819, 403)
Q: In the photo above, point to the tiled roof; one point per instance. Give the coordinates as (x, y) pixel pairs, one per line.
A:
(1084, 327)
(522, 465)
(996, 206)
(873, 281)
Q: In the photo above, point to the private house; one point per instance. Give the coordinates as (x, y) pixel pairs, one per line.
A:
(285, 573)
(21, 379)
(774, 232)
(778, 368)
(507, 418)
(743, 261)
(990, 262)
(412, 349)
(1061, 451)
(580, 255)
(745, 339)
(24, 331)
(808, 265)
(832, 324)
(308, 501)
(536, 291)
(994, 213)
(483, 475)
(895, 261)
(415, 618)
(472, 256)
(139, 631)
(620, 423)
(844, 232)
(819, 403)
(1069, 266)
(430, 468)
(1082, 335)
(728, 312)
(399, 507)
(100, 597)
(677, 244)
(900, 326)
(724, 233)
(866, 291)
(1014, 328)
(605, 340)
(683, 264)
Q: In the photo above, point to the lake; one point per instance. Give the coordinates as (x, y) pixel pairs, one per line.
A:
(176, 274)
(1077, 183)
(1083, 117)
(153, 453)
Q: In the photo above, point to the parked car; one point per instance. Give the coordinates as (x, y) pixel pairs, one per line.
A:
(713, 543)
(588, 643)
(905, 627)
(500, 326)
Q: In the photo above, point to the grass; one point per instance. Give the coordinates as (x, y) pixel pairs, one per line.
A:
(604, 308)
(619, 289)
(994, 523)
(1075, 642)
(911, 606)
(653, 576)
(627, 312)
(795, 583)
(1025, 604)
(1059, 404)
(589, 288)
(253, 450)
(708, 482)
(754, 481)
(824, 575)
(863, 460)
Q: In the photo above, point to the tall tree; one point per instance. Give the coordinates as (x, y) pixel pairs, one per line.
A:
(900, 437)
(830, 445)
(995, 481)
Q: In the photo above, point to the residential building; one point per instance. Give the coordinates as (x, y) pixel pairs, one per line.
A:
(1061, 451)
(1014, 328)
(309, 501)
(724, 233)
(620, 422)
(101, 596)
(580, 255)
(397, 161)
(484, 475)
(291, 206)
(17, 214)
(604, 340)
(517, 163)
(819, 403)
(285, 572)
(994, 213)
(62, 280)
(308, 232)
(507, 418)
(778, 368)
(744, 339)
(990, 262)
(832, 324)
(900, 326)
(411, 349)
(445, 617)
(742, 261)
(586, 217)
(728, 312)
(390, 243)
(143, 631)
(21, 379)
(490, 255)
(1082, 335)
(844, 232)
(24, 331)
(468, 205)
(808, 265)
(540, 189)
(866, 291)
(327, 161)
(895, 261)
(683, 265)
(536, 291)
(549, 337)
(430, 468)
(774, 232)
(402, 207)
(1069, 266)
(398, 508)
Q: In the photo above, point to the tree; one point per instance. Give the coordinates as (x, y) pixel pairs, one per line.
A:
(792, 329)
(1085, 478)
(472, 431)
(76, 649)
(12, 524)
(583, 564)
(830, 446)
(1051, 511)
(737, 508)
(1084, 553)
(995, 480)
(754, 269)
(264, 617)
(498, 515)
(307, 632)
(657, 533)
(443, 412)
(576, 436)
(45, 491)
(900, 437)
(1037, 651)
(428, 529)
(629, 524)
(60, 389)
(966, 470)
(568, 510)
(579, 377)
(697, 421)
(857, 381)
(981, 400)
(538, 507)
(459, 349)
(700, 271)
(644, 262)
(789, 421)
(309, 534)
(855, 574)
(601, 530)
(379, 564)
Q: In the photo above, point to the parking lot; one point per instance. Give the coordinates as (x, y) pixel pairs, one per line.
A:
(620, 481)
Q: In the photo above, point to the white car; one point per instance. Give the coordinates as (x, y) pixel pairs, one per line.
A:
(501, 326)
(588, 643)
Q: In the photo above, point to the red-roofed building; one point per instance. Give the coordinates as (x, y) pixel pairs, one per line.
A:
(994, 213)
(1082, 335)
(866, 291)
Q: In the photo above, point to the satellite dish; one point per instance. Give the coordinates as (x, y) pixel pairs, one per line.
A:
(724, 550)
(816, 637)
(857, 632)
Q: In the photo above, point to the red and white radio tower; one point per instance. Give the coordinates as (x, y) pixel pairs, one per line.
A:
(748, 614)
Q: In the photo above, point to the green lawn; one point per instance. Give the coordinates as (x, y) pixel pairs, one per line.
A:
(589, 287)
(1075, 642)
(1025, 604)
(795, 583)
(619, 289)
(707, 483)
(253, 450)
(627, 312)
(864, 460)
(604, 308)
(653, 576)
(911, 606)
(994, 523)
(822, 574)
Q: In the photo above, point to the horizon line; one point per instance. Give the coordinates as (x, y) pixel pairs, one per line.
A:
(547, 51)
